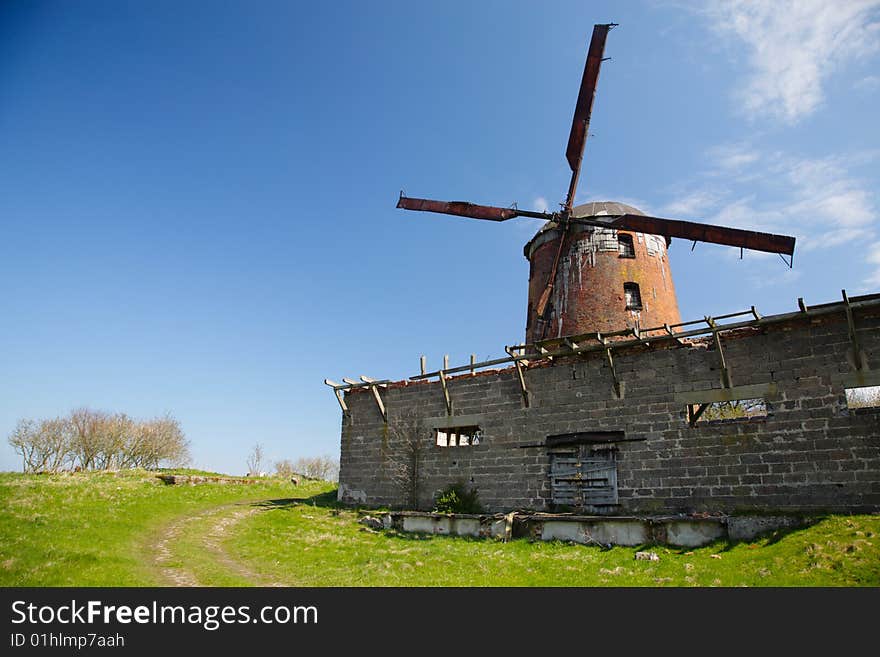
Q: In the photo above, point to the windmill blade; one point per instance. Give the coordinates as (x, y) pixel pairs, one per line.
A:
(465, 209)
(544, 299)
(580, 124)
(689, 230)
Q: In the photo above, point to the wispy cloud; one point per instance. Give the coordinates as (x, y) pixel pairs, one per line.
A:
(782, 276)
(693, 203)
(819, 200)
(540, 204)
(792, 47)
(873, 280)
(733, 157)
(868, 83)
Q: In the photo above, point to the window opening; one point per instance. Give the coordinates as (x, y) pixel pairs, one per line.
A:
(633, 296)
(626, 248)
(458, 436)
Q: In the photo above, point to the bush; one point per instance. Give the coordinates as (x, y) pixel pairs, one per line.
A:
(458, 498)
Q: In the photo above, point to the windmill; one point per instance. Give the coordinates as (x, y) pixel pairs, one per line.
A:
(568, 217)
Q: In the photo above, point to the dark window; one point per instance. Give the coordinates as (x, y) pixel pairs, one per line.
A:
(633, 296)
(458, 436)
(625, 246)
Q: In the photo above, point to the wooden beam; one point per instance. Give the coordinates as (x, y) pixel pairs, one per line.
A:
(378, 398)
(669, 330)
(447, 422)
(446, 396)
(695, 411)
(754, 391)
(725, 372)
(872, 301)
(341, 401)
(338, 392)
(861, 379)
(520, 376)
(859, 360)
(617, 386)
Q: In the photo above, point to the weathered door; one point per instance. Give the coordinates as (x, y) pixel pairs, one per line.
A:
(583, 481)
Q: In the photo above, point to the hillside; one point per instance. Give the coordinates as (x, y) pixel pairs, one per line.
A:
(129, 529)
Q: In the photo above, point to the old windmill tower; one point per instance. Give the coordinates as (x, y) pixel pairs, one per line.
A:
(606, 406)
(600, 266)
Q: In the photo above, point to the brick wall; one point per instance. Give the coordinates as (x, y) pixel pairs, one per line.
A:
(588, 293)
(810, 453)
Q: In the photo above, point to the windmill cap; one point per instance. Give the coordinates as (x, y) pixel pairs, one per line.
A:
(592, 209)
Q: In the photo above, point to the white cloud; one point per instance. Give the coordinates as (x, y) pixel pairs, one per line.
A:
(873, 280)
(692, 204)
(818, 200)
(540, 205)
(868, 83)
(793, 46)
(780, 277)
(733, 157)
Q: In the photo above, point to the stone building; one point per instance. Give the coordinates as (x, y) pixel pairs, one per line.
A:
(616, 407)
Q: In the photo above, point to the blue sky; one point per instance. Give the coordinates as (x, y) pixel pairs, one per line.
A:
(197, 199)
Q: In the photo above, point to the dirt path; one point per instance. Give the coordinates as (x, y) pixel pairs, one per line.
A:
(172, 569)
(163, 556)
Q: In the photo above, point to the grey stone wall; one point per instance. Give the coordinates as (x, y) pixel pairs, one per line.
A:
(811, 453)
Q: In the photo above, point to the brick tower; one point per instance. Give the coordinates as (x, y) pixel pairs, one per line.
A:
(606, 279)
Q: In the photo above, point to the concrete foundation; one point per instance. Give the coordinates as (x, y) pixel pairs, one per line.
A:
(588, 530)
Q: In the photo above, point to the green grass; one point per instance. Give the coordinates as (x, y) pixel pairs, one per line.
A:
(102, 529)
(308, 545)
(88, 529)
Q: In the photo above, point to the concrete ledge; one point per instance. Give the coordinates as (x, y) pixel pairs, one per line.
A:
(679, 531)
(756, 391)
(449, 524)
(177, 479)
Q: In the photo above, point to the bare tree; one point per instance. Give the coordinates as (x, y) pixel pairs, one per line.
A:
(407, 441)
(23, 441)
(160, 440)
(44, 446)
(97, 440)
(57, 440)
(325, 468)
(255, 460)
(284, 468)
(115, 432)
(87, 428)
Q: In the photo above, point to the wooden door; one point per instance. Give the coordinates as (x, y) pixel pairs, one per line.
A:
(583, 481)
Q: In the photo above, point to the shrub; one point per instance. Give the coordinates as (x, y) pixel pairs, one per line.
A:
(458, 498)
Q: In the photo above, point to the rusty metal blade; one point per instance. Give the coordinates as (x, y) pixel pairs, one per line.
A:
(583, 108)
(465, 209)
(747, 239)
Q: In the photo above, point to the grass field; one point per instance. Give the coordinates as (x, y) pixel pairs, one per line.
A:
(129, 529)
